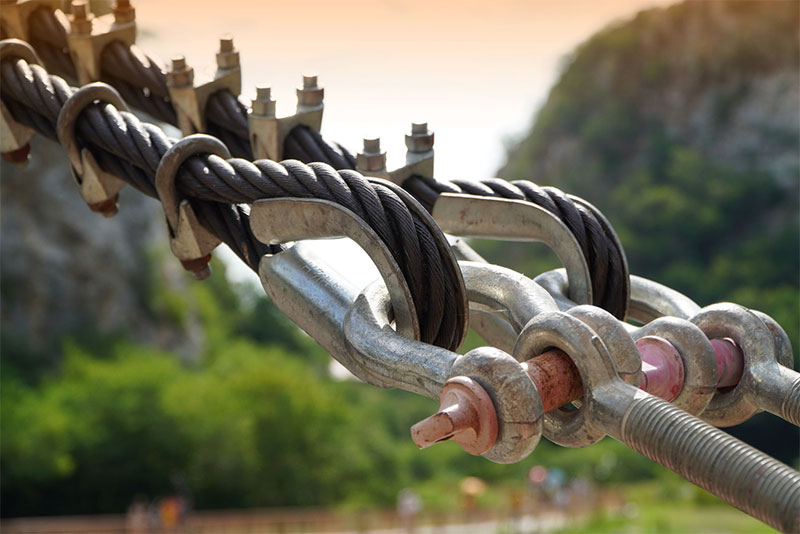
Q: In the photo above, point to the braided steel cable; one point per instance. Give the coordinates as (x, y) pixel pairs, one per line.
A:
(142, 83)
(605, 261)
(133, 149)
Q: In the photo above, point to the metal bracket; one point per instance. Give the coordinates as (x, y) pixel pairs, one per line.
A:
(189, 95)
(98, 188)
(190, 242)
(13, 135)
(268, 132)
(419, 157)
(14, 17)
(89, 35)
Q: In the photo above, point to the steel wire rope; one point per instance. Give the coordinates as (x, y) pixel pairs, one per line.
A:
(139, 147)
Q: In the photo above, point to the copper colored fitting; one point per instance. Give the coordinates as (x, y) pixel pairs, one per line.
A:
(107, 208)
(556, 378)
(19, 156)
(199, 267)
(466, 415)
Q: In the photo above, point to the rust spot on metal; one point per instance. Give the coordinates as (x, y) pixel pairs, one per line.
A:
(19, 156)
(198, 266)
(108, 208)
(556, 377)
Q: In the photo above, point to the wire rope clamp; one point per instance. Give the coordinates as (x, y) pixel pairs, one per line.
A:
(189, 93)
(268, 132)
(15, 137)
(190, 242)
(88, 35)
(14, 17)
(372, 161)
(99, 189)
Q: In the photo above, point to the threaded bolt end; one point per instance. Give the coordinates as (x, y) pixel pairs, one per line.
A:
(372, 146)
(745, 477)
(178, 63)
(310, 82)
(226, 44)
(79, 9)
(791, 405)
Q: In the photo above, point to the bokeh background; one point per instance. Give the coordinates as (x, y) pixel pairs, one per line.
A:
(129, 389)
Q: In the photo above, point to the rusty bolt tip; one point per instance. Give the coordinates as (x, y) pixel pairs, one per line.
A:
(226, 44)
(263, 93)
(466, 415)
(310, 82)
(372, 145)
(79, 9)
(419, 127)
(203, 273)
(19, 156)
(123, 3)
(178, 63)
(107, 208)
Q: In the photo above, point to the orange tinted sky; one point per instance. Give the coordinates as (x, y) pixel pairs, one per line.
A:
(475, 71)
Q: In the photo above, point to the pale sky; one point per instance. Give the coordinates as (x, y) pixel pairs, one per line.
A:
(475, 71)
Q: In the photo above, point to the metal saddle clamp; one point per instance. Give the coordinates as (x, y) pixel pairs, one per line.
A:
(14, 17)
(268, 132)
(189, 93)
(190, 242)
(372, 161)
(88, 35)
(99, 189)
(15, 137)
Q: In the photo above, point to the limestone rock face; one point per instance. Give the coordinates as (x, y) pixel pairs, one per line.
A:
(66, 270)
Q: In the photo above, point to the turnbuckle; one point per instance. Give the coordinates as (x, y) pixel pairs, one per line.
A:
(268, 132)
(99, 189)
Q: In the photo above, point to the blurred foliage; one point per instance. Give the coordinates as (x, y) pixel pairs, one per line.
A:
(641, 123)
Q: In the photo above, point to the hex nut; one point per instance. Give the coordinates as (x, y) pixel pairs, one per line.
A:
(420, 139)
(371, 162)
(310, 94)
(180, 75)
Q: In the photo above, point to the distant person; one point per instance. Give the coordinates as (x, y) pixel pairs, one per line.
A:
(137, 520)
(409, 505)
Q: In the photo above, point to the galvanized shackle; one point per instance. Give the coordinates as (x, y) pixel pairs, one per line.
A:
(649, 300)
(100, 189)
(501, 417)
(516, 220)
(190, 242)
(501, 302)
(767, 382)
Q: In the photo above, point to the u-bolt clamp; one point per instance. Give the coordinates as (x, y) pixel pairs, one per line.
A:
(89, 35)
(15, 137)
(190, 93)
(100, 189)
(372, 161)
(268, 132)
(14, 17)
(190, 242)
(767, 381)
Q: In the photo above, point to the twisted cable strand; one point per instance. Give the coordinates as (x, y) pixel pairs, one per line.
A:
(213, 179)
